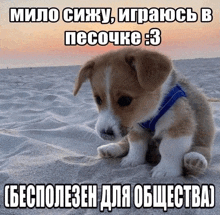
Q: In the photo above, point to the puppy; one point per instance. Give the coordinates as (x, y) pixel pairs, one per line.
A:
(142, 100)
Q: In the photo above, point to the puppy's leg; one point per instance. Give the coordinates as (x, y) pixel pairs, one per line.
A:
(114, 149)
(172, 151)
(138, 145)
(196, 161)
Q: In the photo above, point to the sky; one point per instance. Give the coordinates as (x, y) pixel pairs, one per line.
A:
(42, 44)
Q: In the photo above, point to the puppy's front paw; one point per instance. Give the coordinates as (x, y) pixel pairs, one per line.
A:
(110, 150)
(195, 163)
(132, 161)
(164, 170)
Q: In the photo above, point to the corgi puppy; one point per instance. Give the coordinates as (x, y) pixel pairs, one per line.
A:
(142, 100)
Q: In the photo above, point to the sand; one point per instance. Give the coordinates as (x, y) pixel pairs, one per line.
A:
(47, 136)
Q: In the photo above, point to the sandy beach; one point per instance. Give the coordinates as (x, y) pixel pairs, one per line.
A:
(47, 136)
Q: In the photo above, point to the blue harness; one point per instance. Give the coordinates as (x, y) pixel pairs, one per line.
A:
(174, 94)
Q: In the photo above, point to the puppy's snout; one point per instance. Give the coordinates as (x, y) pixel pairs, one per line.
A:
(107, 134)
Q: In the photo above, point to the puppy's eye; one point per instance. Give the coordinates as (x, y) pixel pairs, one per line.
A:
(124, 101)
(98, 100)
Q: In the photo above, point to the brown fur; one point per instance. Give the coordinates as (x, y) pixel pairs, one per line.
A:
(157, 66)
(124, 145)
(205, 130)
(135, 136)
(184, 124)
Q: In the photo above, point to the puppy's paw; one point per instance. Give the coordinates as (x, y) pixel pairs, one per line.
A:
(110, 150)
(195, 163)
(132, 161)
(166, 170)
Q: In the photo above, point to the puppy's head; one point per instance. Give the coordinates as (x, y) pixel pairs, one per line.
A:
(126, 87)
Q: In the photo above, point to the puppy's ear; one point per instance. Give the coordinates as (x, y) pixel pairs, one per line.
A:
(152, 68)
(84, 73)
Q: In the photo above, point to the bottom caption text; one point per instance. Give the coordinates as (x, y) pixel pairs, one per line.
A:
(107, 197)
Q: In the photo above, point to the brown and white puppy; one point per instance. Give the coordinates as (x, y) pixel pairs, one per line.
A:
(129, 86)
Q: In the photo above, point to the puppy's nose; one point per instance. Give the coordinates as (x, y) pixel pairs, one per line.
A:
(107, 134)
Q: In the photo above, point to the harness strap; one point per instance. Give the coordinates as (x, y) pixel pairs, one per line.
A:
(174, 94)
